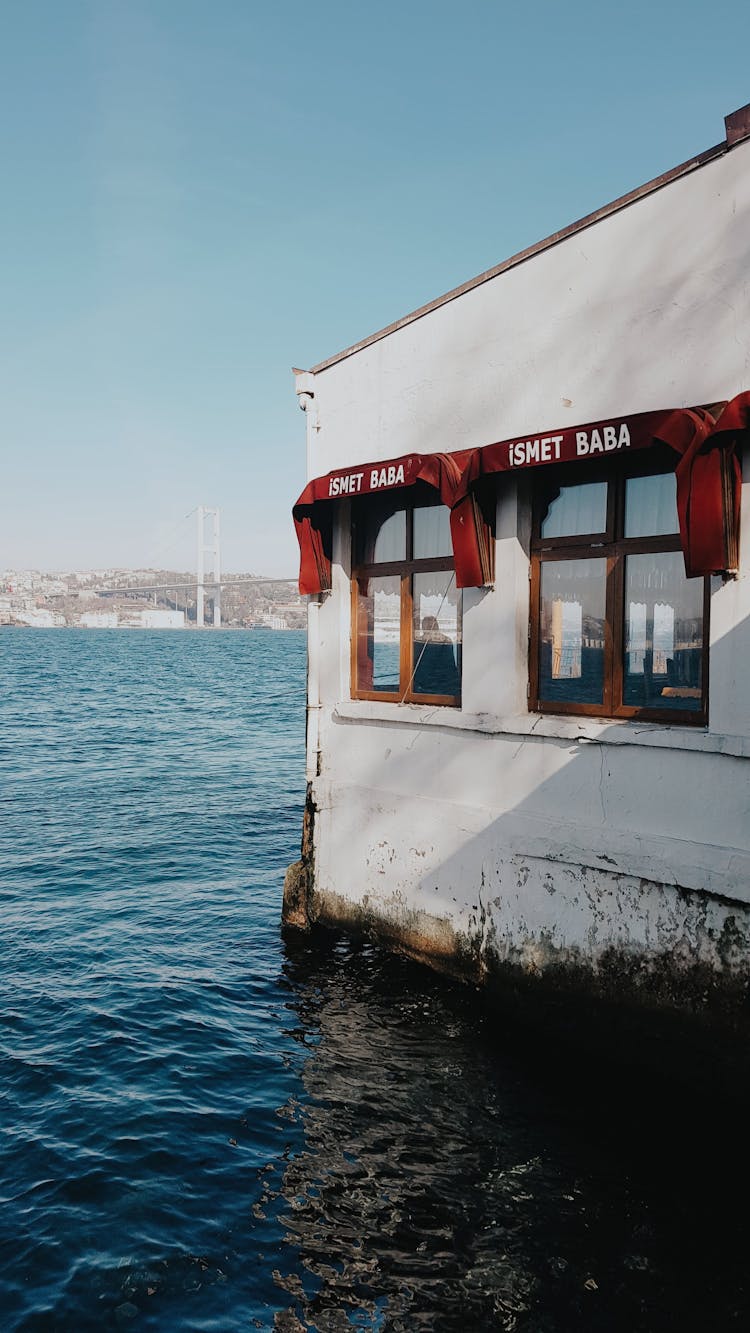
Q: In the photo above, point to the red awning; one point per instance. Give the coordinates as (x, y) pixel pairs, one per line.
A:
(709, 483)
(708, 486)
(312, 512)
(708, 472)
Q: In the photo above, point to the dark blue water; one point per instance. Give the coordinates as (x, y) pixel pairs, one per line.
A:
(204, 1127)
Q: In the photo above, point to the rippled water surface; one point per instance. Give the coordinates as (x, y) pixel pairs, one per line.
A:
(205, 1127)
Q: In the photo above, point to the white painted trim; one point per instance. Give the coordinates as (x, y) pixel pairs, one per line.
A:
(612, 731)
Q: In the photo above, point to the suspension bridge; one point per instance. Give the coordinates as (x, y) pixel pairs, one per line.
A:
(207, 584)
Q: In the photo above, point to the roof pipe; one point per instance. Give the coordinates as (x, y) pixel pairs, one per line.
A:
(304, 387)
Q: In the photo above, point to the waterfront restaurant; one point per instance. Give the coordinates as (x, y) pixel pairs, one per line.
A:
(526, 548)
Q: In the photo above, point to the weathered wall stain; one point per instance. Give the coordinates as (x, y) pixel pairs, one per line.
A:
(300, 875)
(639, 942)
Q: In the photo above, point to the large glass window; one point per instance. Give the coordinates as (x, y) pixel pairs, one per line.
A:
(616, 627)
(406, 612)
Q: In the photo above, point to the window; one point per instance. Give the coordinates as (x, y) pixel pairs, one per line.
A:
(406, 610)
(616, 628)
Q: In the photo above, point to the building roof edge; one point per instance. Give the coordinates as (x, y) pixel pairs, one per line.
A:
(624, 201)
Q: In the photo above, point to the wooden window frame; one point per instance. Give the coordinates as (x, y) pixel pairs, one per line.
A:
(404, 570)
(613, 546)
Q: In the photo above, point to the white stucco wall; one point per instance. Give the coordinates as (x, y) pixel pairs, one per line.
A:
(648, 308)
(581, 832)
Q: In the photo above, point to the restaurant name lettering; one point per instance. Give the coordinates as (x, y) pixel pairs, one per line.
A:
(567, 445)
(373, 478)
(564, 447)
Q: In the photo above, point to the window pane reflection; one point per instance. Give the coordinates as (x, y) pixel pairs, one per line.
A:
(577, 510)
(432, 532)
(663, 633)
(571, 647)
(651, 506)
(436, 660)
(381, 535)
(379, 634)
(390, 543)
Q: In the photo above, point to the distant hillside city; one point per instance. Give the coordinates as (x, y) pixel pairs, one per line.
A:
(88, 600)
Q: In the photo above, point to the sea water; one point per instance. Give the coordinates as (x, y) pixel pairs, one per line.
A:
(204, 1126)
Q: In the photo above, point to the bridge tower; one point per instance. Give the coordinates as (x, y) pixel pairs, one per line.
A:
(212, 549)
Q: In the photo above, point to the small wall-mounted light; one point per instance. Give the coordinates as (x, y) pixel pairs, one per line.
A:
(304, 388)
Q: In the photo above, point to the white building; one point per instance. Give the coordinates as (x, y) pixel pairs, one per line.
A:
(162, 618)
(528, 729)
(99, 620)
(38, 618)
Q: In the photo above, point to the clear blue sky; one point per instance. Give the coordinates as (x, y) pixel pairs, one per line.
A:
(199, 194)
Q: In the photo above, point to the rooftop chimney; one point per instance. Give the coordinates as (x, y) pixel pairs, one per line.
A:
(738, 125)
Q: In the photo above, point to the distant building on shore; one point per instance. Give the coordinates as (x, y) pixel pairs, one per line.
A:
(99, 620)
(155, 617)
(38, 618)
(162, 618)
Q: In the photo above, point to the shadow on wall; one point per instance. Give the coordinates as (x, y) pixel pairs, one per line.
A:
(596, 342)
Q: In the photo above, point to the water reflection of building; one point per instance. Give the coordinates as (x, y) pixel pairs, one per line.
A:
(395, 1210)
(568, 802)
(455, 1175)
